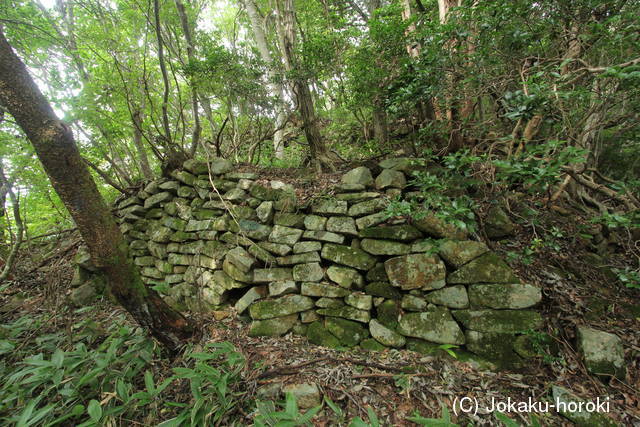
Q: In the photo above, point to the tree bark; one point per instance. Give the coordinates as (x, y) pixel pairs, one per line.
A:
(276, 89)
(165, 77)
(321, 157)
(15, 204)
(55, 147)
(186, 29)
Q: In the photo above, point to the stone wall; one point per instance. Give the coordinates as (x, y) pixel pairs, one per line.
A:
(334, 269)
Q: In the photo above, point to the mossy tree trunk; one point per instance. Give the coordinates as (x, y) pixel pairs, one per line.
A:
(55, 147)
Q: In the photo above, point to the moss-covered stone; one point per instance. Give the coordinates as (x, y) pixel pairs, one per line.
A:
(372, 345)
(389, 178)
(303, 247)
(504, 295)
(435, 227)
(497, 223)
(236, 273)
(382, 289)
(319, 335)
(265, 275)
(275, 248)
(285, 235)
(499, 321)
(315, 222)
(309, 272)
(326, 302)
(289, 219)
(385, 336)
(368, 207)
(568, 405)
(416, 271)
(350, 257)
(329, 207)
(371, 220)
(497, 347)
(345, 276)
(388, 313)
(413, 303)
(324, 236)
(278, 307)
(348, 332)
(456, 253)
(314, 289)
(342, 224)
(272, 327)
(404, 233)
(602, 351)
(377, 274)
(451, 296)
(253, 229)
(302, 258)
(360, 175)
(346, 312)
(239, 257)
(488, 268)
(436, 326)
(360, 301)
(384, 247)
(157, 200)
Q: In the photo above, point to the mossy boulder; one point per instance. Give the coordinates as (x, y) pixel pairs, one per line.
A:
(499, 321)
(385, 336)
(384, 247)
(272, 327)
(368, 207)
(488, 268)
(416, 271)
(348, 256)
(404, 233)
(360, 175)
(497, 347)
(436, 326)
(497, 223)
(504, 295)
(349, 333)
(278, 307)
(456, 253)
(345, 276)
(451, 296)
(382, 289)
(435, 227)
(319, 335)
(314, 289)
(602, 351)
(346, 312)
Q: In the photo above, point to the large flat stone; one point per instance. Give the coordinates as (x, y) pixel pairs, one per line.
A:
(436, 326)
(348, 256)
(416, 271)
(278, 307)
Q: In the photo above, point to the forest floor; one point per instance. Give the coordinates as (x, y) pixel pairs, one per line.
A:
(397, 385)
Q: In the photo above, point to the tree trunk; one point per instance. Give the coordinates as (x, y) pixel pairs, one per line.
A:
(55, 147)
(165, 77)
(137, 118)
(321, 157)
(15, 204)
(186, 29)
(276, 89)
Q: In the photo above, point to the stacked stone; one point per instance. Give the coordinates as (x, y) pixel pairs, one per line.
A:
(338, 270)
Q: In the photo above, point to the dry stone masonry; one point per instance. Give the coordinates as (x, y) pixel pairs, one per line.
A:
(336, 269)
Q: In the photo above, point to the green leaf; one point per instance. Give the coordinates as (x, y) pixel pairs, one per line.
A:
(94, 410)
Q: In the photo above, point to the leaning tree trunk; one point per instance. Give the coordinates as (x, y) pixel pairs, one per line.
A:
(320, 155)
(55, 147)
(275, 87)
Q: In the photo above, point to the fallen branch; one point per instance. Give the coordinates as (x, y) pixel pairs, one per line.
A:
(288, 370)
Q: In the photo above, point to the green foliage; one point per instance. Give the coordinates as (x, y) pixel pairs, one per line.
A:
(53, 378)
(443, 421)
(439, 193)
(538, 169)
(628, 277)
(268, 415)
